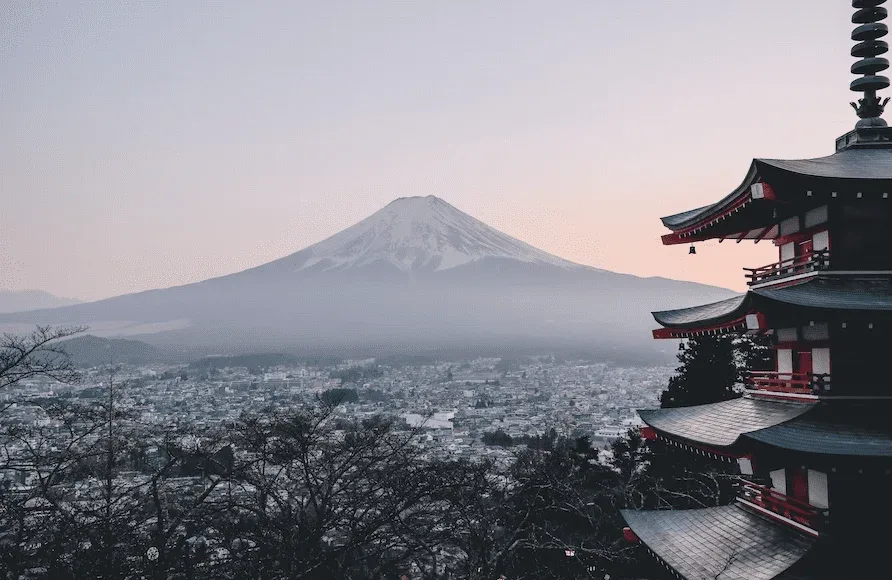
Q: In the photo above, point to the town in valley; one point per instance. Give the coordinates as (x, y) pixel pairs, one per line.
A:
(459, 409)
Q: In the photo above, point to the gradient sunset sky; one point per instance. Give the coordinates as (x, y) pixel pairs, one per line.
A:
(155, 143)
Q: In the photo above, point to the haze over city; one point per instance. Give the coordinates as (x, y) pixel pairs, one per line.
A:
(148, 145)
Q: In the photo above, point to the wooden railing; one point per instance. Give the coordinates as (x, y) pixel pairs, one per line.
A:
(795, 383)
(801, 512)
(810, 262)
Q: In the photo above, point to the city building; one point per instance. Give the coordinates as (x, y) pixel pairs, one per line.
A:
(812, 439)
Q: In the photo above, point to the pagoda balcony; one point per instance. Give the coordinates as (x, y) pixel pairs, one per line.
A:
(811, 262)
(789, 383)
(769, 502)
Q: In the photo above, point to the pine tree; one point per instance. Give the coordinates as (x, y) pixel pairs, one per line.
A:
(708, 373)
(756, 353)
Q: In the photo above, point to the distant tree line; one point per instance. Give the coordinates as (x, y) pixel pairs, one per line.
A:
(544, 441)
(334, 397)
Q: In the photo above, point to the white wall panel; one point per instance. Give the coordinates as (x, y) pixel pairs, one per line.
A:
(817, 331)
(779, 481)
(789, 226)
(784, 360)
(821, 241)
(787, 251)
(817, 489)
(787, 335)
(820, 361)
(816, 216)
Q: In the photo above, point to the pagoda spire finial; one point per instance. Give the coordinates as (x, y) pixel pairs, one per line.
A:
(868, 16)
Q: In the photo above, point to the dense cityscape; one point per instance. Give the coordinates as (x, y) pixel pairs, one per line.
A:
(208, 469)
(452, 404)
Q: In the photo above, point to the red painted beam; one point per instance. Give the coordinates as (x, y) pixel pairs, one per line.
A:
(648, 433)
(695, 233)
(735, 326)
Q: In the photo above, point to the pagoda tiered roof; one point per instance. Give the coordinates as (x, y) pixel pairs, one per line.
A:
(823, 291)
(840, 428)
(834, 292)
(725, 542)
(813, 451)
(713, 313)
(752, 209)
(722, 424)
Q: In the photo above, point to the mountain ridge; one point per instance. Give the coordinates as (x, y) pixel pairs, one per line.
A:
(417, 275)
(24, 300)
(89, 350)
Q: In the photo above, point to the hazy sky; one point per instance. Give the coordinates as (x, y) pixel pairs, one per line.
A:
(149, 144)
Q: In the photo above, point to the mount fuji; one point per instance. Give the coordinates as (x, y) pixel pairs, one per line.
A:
(418, 276)
(419, 234)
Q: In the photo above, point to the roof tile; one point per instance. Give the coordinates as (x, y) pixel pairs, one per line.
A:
(727, 542)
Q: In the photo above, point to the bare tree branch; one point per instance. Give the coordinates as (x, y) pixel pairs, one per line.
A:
(37, 355)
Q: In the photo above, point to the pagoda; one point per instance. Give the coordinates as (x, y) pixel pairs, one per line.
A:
(811, 439)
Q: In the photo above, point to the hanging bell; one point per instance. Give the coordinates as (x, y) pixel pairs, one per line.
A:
(693, 250)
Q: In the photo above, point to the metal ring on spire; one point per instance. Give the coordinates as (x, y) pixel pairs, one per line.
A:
(870, 48)
(868, 15)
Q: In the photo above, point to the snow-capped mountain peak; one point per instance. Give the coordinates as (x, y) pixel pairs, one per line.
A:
(415, 233)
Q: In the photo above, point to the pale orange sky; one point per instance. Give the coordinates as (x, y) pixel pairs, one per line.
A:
(152, 145)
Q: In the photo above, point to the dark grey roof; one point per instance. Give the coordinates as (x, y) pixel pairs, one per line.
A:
(837, 292)
(837, 428)
(686, 218)
(725, 542)
(721, 424)
(715, 312)
(860, 164)
(875, 164)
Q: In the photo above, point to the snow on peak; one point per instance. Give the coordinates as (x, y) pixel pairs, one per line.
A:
(415, 233)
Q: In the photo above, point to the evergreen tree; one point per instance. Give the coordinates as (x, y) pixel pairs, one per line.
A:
(630, 455)
(497, 438)
(756, 353)
(708, 372)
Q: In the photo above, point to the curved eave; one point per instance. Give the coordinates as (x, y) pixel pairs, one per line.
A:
(735, 215)
(686, 220)
(721, 424)
(718, 542)
(748, 312)
(837, 429)
(732, 316)
(740, 325)
(714, 313)
(746, 212)
(872, 165)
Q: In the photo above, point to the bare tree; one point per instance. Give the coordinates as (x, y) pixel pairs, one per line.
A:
(299, 494)
(314, 497)
(658, 476)
(37, 354)
(552, 514)
(92, 505)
